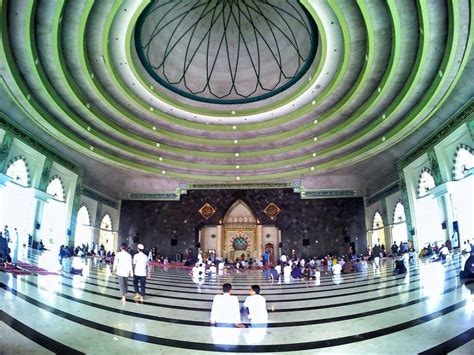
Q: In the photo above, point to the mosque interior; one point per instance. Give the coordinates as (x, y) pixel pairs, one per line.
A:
(236, 130)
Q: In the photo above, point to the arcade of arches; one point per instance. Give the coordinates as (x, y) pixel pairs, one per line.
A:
(238, 129)
(38, 199)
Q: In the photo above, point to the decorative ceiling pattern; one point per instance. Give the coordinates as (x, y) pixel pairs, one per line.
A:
(381, 71)
(227, 51)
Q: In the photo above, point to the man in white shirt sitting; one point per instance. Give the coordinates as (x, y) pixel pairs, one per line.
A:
(140, 263)
(225, 310)
(257, 306)
(287, 271)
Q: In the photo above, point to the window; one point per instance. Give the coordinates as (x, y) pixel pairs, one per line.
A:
(399, 213)
(399, 230)
(18, 171)
(463, 161)
(83, 234)
(107, 237)
(55, 188)
(378, 221)
(425, 182)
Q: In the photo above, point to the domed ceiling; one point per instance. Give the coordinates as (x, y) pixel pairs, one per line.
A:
(146, 95)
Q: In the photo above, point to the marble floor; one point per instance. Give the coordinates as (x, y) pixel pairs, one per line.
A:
(426, 311)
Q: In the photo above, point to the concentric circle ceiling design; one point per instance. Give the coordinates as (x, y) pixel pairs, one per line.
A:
(226, 51)
(381, 71)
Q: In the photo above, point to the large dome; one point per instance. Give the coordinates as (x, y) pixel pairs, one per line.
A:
(226, 52)
(385, 76)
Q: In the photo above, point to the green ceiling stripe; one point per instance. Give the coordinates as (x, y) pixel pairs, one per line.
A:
(272, 138)
(76, 120)
(406, 90)
(409, 123)
(104, 138)
(80, 145)
(470, 42)
(59, 130)
(227, 112)
(385, 82)
(242, 127)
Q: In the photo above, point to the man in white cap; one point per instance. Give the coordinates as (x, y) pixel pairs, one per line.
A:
(140, 264)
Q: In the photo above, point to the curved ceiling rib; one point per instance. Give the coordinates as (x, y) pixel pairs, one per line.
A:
(380, 72)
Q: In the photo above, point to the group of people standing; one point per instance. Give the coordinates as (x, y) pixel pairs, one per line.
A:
(137, 267)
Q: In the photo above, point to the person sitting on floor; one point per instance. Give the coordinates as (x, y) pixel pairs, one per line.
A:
(274, 275)
(400, 267)
(443, 252)
(348, 267)
(336, 269)
(296, 273)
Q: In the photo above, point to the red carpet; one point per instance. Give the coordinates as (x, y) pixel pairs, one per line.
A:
(33, 269)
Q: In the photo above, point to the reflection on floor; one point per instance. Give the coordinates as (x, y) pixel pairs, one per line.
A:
(428, 310)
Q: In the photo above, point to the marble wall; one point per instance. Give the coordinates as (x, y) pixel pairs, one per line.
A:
(327, 223)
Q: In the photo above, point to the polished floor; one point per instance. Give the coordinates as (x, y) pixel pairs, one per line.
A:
(428, 310)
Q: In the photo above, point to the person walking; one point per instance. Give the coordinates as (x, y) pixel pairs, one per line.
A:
(123, 268)
(376, 255)
(140, 272)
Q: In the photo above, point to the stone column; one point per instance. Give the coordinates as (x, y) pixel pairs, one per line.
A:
(75, 210)
(259, 241)
(98, 221)
(219, 236)
(406, 205)
(41, 198)
(5, 150)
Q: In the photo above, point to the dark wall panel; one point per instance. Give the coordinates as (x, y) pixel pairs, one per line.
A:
(330, 222)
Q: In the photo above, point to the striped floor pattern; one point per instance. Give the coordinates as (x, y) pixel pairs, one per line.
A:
(429, 310)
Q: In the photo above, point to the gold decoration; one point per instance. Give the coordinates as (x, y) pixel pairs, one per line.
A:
(207, 211)
(272, 210)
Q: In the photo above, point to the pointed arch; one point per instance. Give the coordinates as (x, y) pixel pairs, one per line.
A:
(240, 212)
(56, 188)
(377, 221)
(463, 161)
(83, 215)
(399, 228)
(106, 234)
(425, 182)
(19, 171)
(106, 222)
(83, 234)
(399, 213)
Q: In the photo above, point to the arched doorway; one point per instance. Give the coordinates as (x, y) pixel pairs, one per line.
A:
(240, 232)
(106, 236)
(399, 231)
(463, 208)
(83, 234)
(17, 203)
(428, 217)
(378, 232)
(54, 221)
